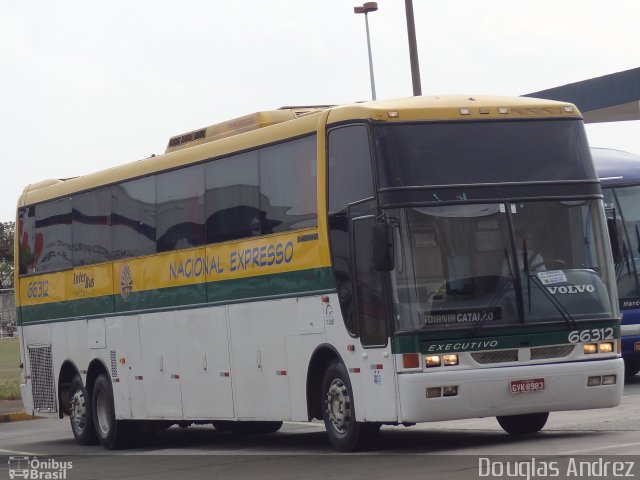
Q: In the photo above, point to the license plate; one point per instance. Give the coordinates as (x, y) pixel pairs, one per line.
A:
(529, 385)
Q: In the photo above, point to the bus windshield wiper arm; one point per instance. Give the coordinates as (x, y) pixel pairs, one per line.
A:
(525, 261)
(566, 316)
(517, 284)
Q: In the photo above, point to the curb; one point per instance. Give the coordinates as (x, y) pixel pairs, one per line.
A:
(16, 417)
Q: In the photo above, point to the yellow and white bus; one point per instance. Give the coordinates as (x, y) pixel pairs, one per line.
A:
(379, 263)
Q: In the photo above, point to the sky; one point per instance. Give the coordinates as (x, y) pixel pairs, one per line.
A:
(86, 85)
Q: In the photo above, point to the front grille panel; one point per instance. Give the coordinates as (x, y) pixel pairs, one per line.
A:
(537, 353)
(499, 356)
(559, 351)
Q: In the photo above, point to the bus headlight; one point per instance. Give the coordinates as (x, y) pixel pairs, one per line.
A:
(590, 348)
(450, 359)
(605, 347)
(432, 361)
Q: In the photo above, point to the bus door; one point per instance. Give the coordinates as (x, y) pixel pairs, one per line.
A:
(378, 378)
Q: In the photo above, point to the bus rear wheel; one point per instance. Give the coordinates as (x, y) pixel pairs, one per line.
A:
(523, 424)
(338, 412)
(113, 434)
(81, 414)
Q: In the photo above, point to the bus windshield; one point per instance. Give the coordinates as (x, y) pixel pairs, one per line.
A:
(496, 264)
(430, 154)
(623, 212)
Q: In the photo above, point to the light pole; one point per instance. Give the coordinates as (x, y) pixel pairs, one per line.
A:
(413, 48)
(366, 8)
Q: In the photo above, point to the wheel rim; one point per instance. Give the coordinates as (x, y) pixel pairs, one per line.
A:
(339, 406)
(102, 413)
(79, 411)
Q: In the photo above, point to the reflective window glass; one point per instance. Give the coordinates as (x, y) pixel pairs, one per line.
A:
(623, 220)
(53, 236)
(27, 240)
(288, 185)
(232, 198)
(180, 208)
(133, 218)
(91, 227)
(350, 175)
(369, 286)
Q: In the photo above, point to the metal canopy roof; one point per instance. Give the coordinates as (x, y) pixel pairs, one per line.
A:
(611, 98)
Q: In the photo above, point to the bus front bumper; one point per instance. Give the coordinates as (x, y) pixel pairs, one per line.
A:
(487, 392)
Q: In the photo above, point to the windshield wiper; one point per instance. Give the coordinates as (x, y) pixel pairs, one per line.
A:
(566, 316)
(527, 272)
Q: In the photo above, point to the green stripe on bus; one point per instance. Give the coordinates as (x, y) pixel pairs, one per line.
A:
(249, 289)
(508, 338)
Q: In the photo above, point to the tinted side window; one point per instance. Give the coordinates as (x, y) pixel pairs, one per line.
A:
(180, 208)
(288, 185)
(27, 240)
(369, 286)
(233, 198)
(91, 227)
(341, 258)
(133, 218)
(350, 174)
(53, 236)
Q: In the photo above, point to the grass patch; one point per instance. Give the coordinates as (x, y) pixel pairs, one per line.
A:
(9, 369)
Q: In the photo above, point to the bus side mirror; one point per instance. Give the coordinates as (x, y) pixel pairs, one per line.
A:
(383, 260)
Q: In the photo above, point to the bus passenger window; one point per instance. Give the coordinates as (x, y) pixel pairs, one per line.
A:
(288, 185)
(53, 226)
(133, 218)
(92, 227)
(29, 245)
(232, 198)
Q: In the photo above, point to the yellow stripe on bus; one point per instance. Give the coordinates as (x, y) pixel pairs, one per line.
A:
(272, 254)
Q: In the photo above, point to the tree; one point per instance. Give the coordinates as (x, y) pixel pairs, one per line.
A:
(7, 230)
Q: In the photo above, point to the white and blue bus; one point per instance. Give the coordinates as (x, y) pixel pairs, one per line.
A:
(620, 176)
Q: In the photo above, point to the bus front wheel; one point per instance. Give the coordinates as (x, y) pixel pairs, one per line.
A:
(81, 415)
(338, 412)
(113, 434)
(523, 424)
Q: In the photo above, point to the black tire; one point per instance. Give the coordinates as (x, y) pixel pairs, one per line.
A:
(523, 424)
(81, 413)
(247, 427)
(113, 434)
(631, 367)
(222, 425)
(338, 413)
